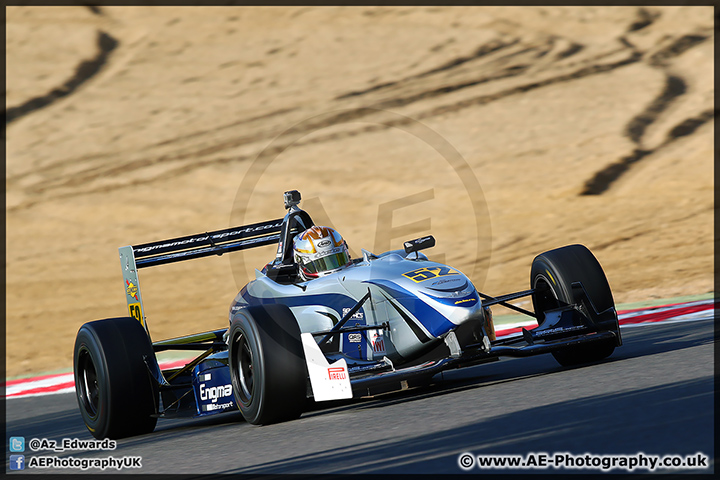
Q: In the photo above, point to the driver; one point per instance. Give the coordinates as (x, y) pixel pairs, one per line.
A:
(320, 251)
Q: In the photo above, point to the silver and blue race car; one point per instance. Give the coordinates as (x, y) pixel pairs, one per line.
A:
(385, 322)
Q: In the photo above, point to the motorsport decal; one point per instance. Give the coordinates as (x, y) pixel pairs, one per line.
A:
(425, 273)
(136, 311)
(218, 236)
(213, 393)
(210, 407)
(131, 290)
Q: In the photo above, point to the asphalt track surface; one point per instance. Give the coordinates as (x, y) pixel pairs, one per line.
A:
(653, 395)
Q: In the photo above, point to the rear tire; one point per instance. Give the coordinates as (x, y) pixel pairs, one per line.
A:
(115, 391)
(267, 364)
(551, 276)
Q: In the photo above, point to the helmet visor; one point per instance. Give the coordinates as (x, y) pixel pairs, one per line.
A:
(329, 262)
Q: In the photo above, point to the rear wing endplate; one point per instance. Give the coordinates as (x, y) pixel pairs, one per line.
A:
(134, 257)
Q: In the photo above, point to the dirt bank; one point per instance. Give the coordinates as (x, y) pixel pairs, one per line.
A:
(132, 124)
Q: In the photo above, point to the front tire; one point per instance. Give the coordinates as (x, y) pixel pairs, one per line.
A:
(115, 392)
(267, 364)
(552, 275)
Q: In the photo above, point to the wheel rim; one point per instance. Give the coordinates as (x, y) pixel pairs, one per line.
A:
(544, 297)
(88, 388)
(244, 373)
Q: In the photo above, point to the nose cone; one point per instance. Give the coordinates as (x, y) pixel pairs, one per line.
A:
(452, 285)
(456, 298)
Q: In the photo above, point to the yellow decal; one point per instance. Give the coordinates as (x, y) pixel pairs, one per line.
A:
(132, 289)
(550, 275)
(466, 300)
(425, 273)
(136, 312)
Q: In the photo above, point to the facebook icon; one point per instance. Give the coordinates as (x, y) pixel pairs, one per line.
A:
(17, 462)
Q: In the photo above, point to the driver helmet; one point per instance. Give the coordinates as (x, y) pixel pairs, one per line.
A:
(319, 251)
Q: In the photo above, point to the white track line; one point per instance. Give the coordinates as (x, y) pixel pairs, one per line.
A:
(64, 383)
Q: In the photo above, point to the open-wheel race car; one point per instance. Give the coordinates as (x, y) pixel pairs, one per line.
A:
(316, 325)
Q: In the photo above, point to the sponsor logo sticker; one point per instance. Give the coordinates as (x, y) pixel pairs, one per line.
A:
(216, 406)
(378, 343)
(421, 274)
(357, 315)
(336, 373)
(446, 280)
(131, 290)
(324, 253)
(136, 311)
(213, 393)
(466, 300)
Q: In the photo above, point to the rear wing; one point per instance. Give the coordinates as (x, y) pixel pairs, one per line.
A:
(134, 257)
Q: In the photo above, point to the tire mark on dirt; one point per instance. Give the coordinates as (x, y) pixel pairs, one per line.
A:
(578, 74)
(95, 9)
(57, 167)
(117, 169)
(570, 51)
(482, 51)
(645, 18)
(678, 47)
(603, 179)
(178, 163)
(675, 87)
(688, 127)
(236, 123)
(682, 216)
(83, 72)
(622, 239)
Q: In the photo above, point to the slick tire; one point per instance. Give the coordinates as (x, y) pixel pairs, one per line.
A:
(551, 276)
(267, 364)
(115, 392)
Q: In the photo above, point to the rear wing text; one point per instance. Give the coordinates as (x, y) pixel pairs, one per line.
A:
(134, 257)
